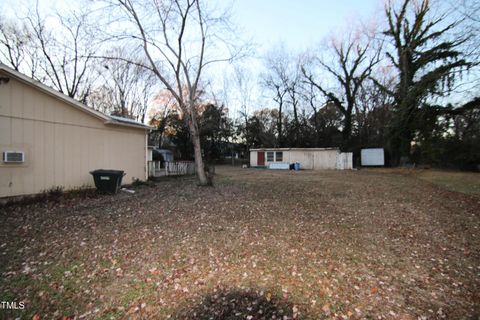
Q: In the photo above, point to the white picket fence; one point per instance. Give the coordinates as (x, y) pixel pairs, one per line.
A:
(170, 168)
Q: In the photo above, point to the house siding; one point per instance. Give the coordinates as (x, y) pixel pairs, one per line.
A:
(62, 144)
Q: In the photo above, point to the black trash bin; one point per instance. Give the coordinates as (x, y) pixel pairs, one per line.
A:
(108, 181)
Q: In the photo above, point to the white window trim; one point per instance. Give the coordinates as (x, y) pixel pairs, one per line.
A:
(276, 160)
(273, 157)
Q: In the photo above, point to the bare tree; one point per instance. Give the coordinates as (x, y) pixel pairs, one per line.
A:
(242, 85)
(13, 40)
(467, 14)
(179, 39)
(276, 80)
(348, 61)
(126, 86)
(17, 46)
(309, 95)
(373, 109)
(294, 96)
(469, 10)
(64, 57)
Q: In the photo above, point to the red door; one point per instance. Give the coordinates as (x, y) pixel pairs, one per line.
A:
(260, 158)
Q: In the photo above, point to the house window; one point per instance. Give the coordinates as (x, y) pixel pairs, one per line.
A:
(279, 156)
(270, 156)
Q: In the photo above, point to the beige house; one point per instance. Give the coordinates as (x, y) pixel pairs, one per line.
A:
(50, 140)
(309, 158)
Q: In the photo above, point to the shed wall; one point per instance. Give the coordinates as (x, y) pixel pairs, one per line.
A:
(326, 159)
(61, 143)
(372, 157)
(253, 158)
(310, 160)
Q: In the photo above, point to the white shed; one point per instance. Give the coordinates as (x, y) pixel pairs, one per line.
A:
(372, 157)
(309, 158)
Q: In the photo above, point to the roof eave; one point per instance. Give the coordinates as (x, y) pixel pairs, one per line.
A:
(52, 92)
(131, 125)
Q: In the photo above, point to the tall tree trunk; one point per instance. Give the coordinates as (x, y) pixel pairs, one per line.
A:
(297, 123)
(401, 134)
(317, 131)
(347, 128)
(315, 121)
(197, 148)
(279, 126)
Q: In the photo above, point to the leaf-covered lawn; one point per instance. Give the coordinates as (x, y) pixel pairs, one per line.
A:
(466, 182)
(259, 245)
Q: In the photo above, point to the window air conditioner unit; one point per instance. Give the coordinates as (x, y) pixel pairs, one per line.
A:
(13, 157)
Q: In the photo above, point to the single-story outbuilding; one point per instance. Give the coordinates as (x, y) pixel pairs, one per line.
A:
(309, 158)
(49, 140)
(372, 157)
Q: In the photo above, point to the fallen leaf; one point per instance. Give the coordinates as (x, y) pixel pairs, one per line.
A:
(326, 308)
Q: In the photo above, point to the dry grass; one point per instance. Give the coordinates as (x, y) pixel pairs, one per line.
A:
(259, 245)
(458, 181)
(466, 182)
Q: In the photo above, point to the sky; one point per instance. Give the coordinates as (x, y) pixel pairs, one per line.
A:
(298, 24)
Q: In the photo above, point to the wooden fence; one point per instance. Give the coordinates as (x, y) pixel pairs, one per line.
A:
(170, 168)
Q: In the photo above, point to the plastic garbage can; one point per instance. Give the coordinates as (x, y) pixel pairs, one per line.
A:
(108, 181)
(297, 166)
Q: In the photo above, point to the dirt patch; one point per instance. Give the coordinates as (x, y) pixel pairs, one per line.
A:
(239, 304)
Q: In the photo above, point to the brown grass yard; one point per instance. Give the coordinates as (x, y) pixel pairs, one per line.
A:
(369, 244)
(453, 180)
